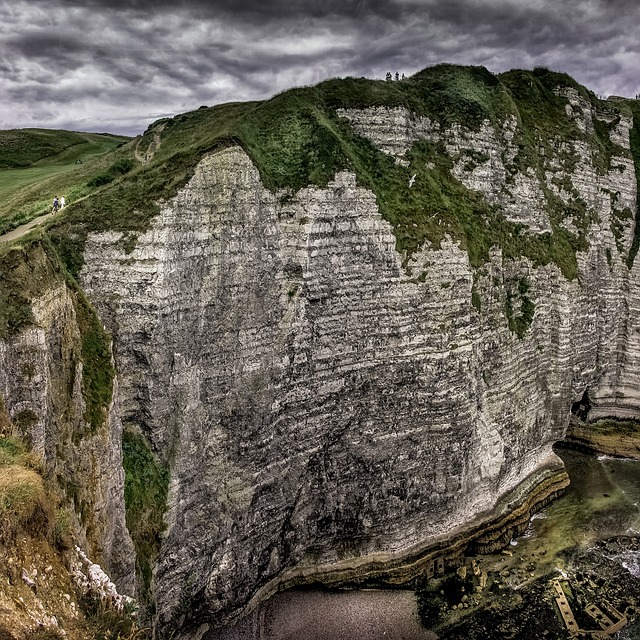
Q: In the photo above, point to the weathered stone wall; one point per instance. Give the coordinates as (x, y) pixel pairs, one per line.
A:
(321, 406)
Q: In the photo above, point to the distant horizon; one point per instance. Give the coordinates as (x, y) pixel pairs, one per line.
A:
(62, 60)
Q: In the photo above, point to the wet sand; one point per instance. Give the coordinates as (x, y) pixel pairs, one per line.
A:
(320, 615)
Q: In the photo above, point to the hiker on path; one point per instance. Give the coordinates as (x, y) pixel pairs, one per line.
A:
(55, 204)
(62, 202)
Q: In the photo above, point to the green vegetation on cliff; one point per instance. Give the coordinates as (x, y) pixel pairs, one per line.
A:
(296, 139)
(146, 487)
(634, 139)
(519, 308)
(27, 272)
(97, 369)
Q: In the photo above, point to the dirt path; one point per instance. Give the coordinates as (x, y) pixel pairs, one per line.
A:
(154, 145)
(23, 229)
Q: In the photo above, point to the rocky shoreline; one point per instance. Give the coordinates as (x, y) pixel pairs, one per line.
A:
(518, 591)
(437, 557)
(403, 575)
(607, 437)
(516, 602)
(585, 591)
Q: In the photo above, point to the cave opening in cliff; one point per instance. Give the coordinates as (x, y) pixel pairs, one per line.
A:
(581, 407)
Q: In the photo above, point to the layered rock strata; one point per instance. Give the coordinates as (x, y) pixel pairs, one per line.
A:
(323, 408)
(618, 439)
(41, 378)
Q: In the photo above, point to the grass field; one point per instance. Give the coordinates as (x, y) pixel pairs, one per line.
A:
(24, 147)
(36, 165)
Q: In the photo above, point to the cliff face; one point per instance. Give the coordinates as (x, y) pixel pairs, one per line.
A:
(341, 379)
(41, 384)
(330, 406)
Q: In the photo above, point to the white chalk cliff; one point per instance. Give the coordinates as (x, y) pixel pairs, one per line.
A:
(328, 411)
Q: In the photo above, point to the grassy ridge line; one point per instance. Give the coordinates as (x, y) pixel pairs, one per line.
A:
(295, 139)
(25, 147)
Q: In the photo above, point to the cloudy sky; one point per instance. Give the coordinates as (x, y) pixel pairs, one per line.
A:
(118, 65)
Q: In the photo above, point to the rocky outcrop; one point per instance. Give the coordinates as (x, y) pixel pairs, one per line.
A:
(41, 383)
(334, 405)
(327, 410)
(607, 437)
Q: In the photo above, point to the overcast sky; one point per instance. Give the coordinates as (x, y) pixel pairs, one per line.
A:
(118, 65)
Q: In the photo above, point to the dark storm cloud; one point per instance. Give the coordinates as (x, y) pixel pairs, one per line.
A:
(116, 64)
(259, 9)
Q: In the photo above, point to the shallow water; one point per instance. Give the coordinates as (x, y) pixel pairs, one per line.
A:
(602, 501)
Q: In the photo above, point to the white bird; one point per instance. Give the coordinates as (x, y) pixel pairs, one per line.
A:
(413, 179)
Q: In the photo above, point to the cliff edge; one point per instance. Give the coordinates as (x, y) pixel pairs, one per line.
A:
(350, 323)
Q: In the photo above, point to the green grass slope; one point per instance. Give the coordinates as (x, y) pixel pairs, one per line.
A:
(24, 147)
(37, 164)
(296, 139)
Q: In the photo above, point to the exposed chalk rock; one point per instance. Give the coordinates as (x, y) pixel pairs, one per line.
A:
(41, 387)
(328, 408)
(318, 403)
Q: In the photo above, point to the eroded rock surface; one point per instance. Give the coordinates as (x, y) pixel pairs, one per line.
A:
(322, 408)
(41, 385)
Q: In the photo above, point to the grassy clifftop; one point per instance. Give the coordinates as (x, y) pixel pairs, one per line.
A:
(296, 139)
